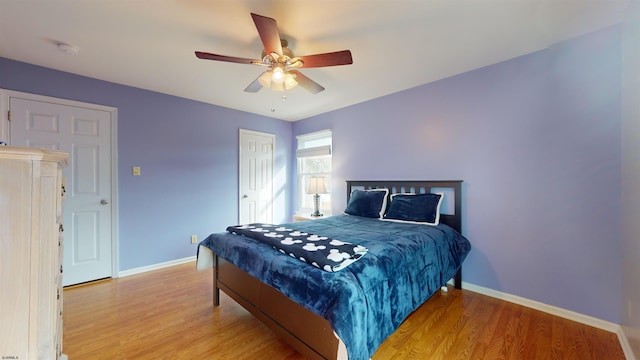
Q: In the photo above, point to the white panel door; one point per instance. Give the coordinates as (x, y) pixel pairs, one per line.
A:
(85, 134)
(256, 177)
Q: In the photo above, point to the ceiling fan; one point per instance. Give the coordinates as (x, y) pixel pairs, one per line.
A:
(282, 74)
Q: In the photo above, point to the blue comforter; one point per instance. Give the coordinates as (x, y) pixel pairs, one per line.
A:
(367, 301)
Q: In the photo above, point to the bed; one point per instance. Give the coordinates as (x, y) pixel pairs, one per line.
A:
(348, 313)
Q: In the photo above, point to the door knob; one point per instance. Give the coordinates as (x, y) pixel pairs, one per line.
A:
(104, 202)
(245, 196)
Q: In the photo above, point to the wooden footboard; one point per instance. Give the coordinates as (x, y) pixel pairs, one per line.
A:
(310, 334)
(307, 332)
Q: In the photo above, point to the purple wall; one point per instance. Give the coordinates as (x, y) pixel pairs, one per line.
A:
(188, 154)
(537, 141)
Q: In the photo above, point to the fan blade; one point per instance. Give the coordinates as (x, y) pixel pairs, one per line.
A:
(307, 83)
(268, 30)
(233, 59)
(328, 59)
(255, 86)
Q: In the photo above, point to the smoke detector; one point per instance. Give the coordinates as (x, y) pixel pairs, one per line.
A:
(67, 49)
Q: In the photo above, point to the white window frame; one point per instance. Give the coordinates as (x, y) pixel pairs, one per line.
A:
(306, 149)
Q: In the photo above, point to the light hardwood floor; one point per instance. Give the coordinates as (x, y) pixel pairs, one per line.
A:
(168, 314)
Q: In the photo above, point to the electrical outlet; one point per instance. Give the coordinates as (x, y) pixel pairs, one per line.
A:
(136, 171)
(194, 239)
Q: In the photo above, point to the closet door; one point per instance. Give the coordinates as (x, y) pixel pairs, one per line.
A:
(85, 134)
(256, 177)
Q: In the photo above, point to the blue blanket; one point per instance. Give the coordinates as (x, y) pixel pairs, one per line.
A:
(367, 301)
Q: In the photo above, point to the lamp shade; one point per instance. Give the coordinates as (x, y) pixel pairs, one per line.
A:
(316, 185)
(278, 80)
(277, 75)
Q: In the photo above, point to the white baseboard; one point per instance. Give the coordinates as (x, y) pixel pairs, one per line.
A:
(553, 310)
(624, 343)
(556, 311)
(143, 269)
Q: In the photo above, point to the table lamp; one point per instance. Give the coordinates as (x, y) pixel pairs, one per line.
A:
(316, 186)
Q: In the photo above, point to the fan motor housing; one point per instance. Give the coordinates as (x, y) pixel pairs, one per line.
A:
(287, 54)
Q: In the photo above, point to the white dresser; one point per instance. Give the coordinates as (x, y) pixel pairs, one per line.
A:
(31, 194)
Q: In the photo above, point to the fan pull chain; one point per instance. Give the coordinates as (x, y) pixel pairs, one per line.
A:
(273, 101)
(273, 105)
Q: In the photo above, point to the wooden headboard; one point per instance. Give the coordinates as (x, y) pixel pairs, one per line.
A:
(452, 187)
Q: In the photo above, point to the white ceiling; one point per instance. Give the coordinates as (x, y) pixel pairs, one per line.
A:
(396, 44)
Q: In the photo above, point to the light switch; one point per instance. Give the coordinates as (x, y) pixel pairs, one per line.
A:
(136, 171)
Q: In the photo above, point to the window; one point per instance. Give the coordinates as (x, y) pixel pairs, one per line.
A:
(314, 160)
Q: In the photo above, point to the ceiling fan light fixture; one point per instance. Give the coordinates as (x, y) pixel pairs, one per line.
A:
(277, 75)
(287, 82)
(265, 79)
(290, 81)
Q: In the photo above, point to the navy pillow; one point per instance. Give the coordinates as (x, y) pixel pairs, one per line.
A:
(367, 203)
(422, 208)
